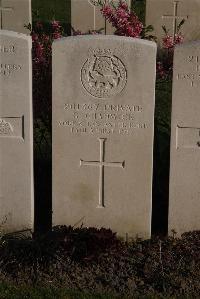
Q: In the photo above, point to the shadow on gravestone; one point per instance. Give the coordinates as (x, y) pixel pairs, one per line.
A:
(42, 151)
(45, 10)
(43, 194)
(161, 157)
(160, 201)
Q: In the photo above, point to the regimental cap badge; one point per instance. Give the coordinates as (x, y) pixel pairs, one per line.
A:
(103, 74)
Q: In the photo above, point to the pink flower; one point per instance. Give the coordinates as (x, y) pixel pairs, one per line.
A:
(56, 35)
(39, 55)
(123, 5)
(77, 32)
(124, 20)
(122, 14)
(161, 72)
(34, 37)
(168, 42)
(45, 38)
(179, 38)
(55, 25)
(107, 11)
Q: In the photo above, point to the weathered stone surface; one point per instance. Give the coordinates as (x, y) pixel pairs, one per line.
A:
(14, 14)
(86, 15)
(103, 115)
(16, 136)
(184, 201)
(170, 13)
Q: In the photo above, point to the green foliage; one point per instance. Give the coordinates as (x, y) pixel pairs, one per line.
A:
(139, 8)
(8, 291)
(161, 155)
(163, 106)
(47, 10)
(84, 259)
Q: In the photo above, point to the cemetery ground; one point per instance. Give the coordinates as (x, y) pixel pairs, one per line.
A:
(82, 263)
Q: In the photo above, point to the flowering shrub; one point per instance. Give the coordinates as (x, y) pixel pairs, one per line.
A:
(126, 23)
(165, 58)
(42, 43)
(123, 19)
(42, 52)
(169, 41)
(42, 38)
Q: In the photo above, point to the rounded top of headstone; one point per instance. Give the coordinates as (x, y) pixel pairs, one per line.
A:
(15, 34)
(194, 43)
(97, 37)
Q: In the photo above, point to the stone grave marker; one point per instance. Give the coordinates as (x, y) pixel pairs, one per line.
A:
(170, 13)
(14, 14)
(184, 201)
(86, 15)
(16, 136)
(103, 118)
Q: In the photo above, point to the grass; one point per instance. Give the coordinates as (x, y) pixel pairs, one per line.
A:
(24, 292)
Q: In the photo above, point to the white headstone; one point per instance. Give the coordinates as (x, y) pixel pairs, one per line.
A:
(86, 15)
(14, 14)
(184, 201)
(170, 13)
(103, 119)
(16, 135)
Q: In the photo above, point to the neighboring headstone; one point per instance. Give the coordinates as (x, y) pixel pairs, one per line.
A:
(184, 201)
(86, 15)
(103, 119)
(16, 136)
(170, 13)
(14, 14)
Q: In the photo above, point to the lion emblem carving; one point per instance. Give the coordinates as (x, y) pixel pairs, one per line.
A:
(103, 75)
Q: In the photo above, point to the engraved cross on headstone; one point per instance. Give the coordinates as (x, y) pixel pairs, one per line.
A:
(175, 18)
(2, 9)
(95, 3)
(101, 164)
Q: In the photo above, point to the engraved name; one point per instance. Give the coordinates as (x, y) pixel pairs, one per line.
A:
(103, 107)
(7, 49)
(106, 119)
(192, 77)
(6, 69)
